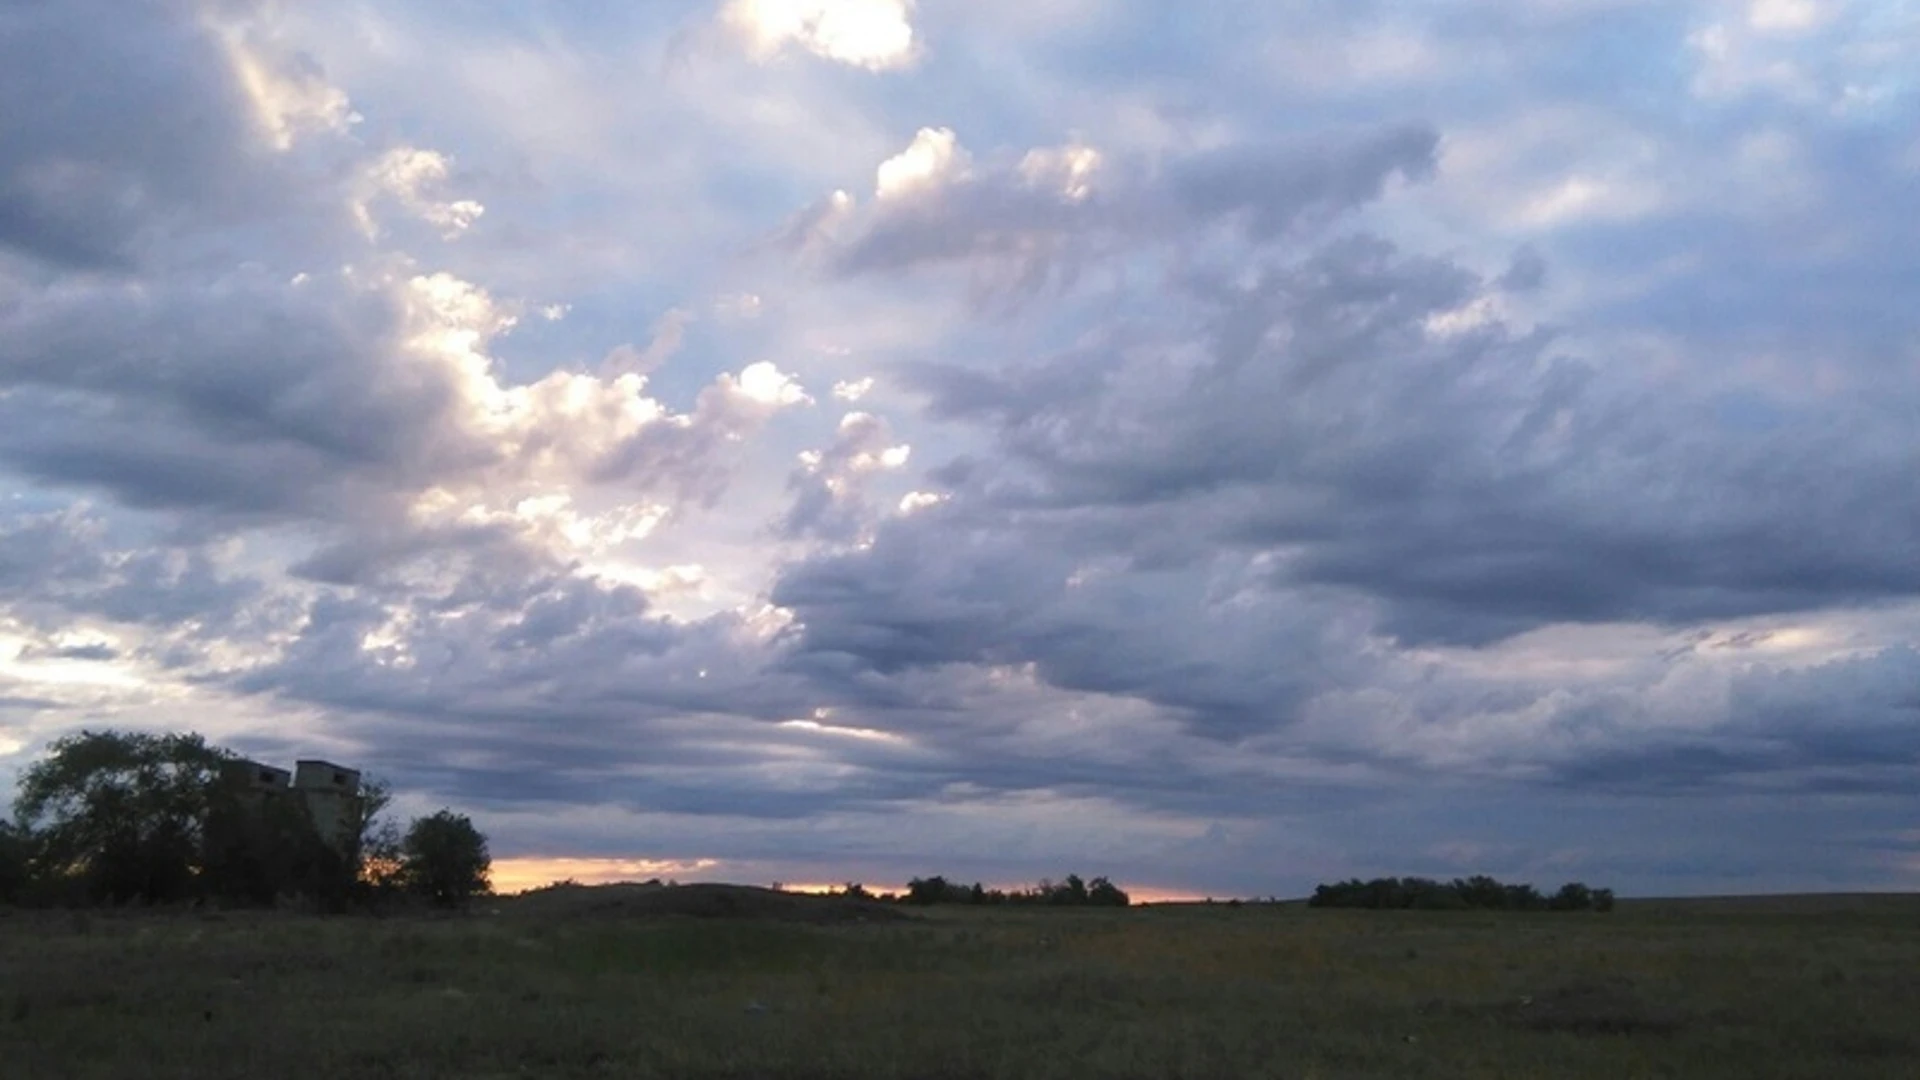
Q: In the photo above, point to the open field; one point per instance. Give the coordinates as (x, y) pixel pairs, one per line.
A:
(602, 985)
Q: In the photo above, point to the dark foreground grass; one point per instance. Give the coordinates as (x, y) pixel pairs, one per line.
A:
(1781, 990)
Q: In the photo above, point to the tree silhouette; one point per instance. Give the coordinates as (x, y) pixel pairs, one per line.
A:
(121, 815)
(445, 860)
(16, 862)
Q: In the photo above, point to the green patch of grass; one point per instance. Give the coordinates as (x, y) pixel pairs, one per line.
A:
(1705, 990)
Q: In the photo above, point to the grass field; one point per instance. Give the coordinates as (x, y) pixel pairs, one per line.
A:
(1816, 987)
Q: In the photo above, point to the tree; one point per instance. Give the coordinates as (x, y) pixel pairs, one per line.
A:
(121, 814)
(444, 858)
(1104, 893)
(1070, 893)
(16, 862)
(1573, 896)
(257, 850)
(379, 852)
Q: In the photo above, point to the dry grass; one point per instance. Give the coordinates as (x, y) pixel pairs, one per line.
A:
(1770, 990)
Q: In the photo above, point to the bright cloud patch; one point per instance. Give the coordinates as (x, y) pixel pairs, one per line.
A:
(872, 34)
(935, 157)
(412, 177)
(287, 96)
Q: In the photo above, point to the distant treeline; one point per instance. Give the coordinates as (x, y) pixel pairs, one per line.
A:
(1073, 892)
(1461, 894)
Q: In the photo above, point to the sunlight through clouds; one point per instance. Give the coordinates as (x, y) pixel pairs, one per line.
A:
(934, 158)
(410, 176)
(288, 98)
(872, 34)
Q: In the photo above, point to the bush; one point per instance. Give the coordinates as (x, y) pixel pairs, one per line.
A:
(1104, 893)
(1476, 893)
(1573, 896)
(1073, 892)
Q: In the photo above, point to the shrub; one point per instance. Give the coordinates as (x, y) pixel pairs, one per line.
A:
(1475, 893)
(1073, 892)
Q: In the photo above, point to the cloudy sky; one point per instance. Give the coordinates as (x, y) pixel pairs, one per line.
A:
(1221, 446)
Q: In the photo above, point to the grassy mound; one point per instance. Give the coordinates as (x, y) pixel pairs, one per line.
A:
(702, 901)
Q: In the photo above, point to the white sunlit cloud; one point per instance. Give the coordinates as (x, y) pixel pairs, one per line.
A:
(1786, 15)
(1067, 169)
(872, 34)
(935, 157)
(767, 384)
(288, 100)
(410, 176)
(853, 389)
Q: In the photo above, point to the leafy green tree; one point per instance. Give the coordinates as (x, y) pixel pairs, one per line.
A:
(1603, 899)
(122, 814)
(444, 859)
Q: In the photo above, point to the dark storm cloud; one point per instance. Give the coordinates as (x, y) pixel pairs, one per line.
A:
(200, 377)
(29, 704)
(543, 652)
(1848, 726)
(1472, 479)
(1047, 219)
(940, 589)
(124, 124)
(147, 390)
(57, 566)
(1351, 428)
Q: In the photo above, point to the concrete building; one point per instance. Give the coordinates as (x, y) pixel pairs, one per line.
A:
(254, 777)
(330, 794)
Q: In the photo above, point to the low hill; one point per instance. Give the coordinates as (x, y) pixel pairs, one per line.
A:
(703, 901)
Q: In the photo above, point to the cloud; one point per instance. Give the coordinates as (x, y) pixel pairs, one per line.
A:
(1354, 442)
(830, 484)
(408, 175)
(934, 158)
(1055, 210)
(290, 96)
(108, 169)
(872, 34)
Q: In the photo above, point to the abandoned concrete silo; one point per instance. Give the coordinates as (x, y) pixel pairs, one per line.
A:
(330, 794)
(332, 797)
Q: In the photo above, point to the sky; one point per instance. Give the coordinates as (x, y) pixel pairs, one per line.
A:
(1222, 447)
